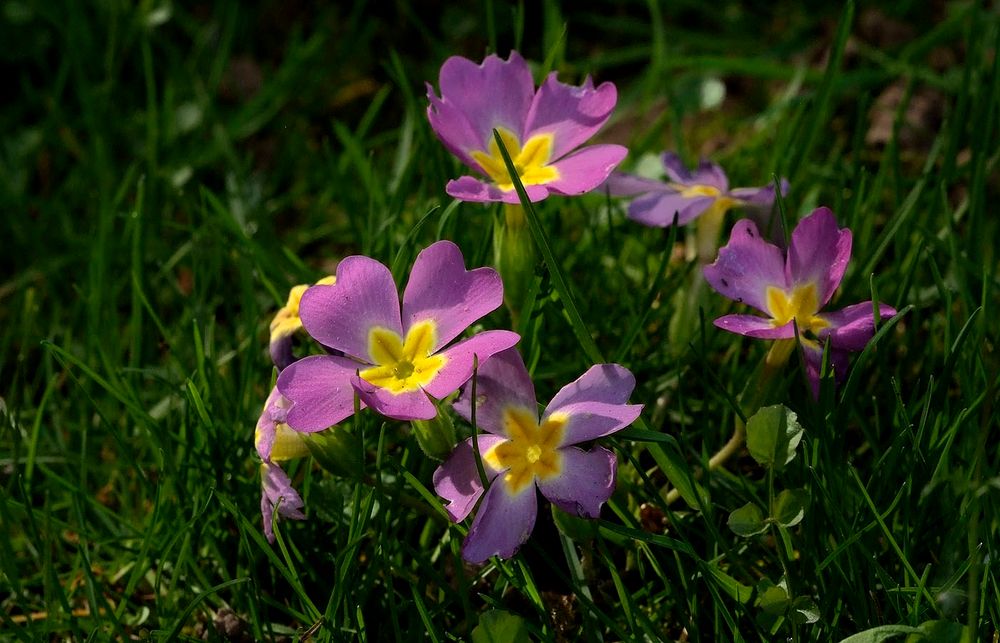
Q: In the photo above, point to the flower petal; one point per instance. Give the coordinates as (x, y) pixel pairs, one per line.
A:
(570, 114)
(319, 388)
(495, 93)
(818, 253)
(624, 184)
(746, 266)
(276, 491)
(502, 525)
(586, 482)
(469, 188)
(592, 420)
(585, 169)
(851, 328)
(658, 210)
(501, 381)
(442, 290)
(754, 326)
(457, 479)
(605, 383)
(340, 316)
(706, 173)
(408, 405)
(458, 368)
(453, 128)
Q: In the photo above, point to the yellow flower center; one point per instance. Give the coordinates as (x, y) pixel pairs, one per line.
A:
(802, 306)
(529, 161)
(531, 451)
(403, 365)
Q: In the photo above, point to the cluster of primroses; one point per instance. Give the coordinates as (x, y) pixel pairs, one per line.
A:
(403, 358)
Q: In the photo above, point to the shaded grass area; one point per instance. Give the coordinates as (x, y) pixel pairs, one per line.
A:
(169, 172)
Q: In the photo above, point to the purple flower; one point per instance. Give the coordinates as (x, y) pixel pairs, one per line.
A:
(520, 453)
(286, 323)
(394, 360)
(540, 129)
(791, 288)
(688, 194)
(275, 442)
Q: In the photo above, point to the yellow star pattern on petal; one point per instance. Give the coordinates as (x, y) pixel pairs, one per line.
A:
(530, 161)
(531, 452)
(403, 365)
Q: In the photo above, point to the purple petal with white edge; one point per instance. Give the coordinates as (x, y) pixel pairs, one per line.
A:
(585, 483)
(457, 479)
(458, 369)
(605, 383)
(658, 210)
(409, 405)
(818, 253)
(502, 524)
(851, 328)
(592, 420)
(495, 93)
(814, 360)
(442, 290)
(571, 114)
(501, 381)
(585, 169)
(705, 174)
(276, 490)
(746, 267)
(754, 326)
(469, 188)
(340, 316)
(320, 390)
(622, 184)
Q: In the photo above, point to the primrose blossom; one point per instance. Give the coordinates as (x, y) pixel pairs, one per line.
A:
(275, 443)
(286, 323)
(521, 452)
(688, 194)
(395, 361)
(541, 130)
(790, 287)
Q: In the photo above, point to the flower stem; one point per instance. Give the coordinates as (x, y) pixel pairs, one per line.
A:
(756, 393)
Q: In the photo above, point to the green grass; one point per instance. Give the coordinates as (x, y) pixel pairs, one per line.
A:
(168, 172)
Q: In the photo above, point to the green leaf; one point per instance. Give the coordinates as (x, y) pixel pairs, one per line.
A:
(790, 507)
(940, 632)
(735, 589)
(575, 528)
(500, 627)
(670, 462)
(773, 434)
(771, 598)
(880, 633)
(748, 520)
(804, 610)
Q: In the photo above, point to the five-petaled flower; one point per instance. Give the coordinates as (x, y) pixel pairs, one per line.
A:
(392, 361)
(521, 452)
(791, 289)
(687, 194)
(286, 323)
(540, 130)
(275, 443)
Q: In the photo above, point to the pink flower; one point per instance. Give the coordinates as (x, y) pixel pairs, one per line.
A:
(541, 129)
(790, 289)
(688, 194)
(393, 360)
(522, 453)
(275, 443)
